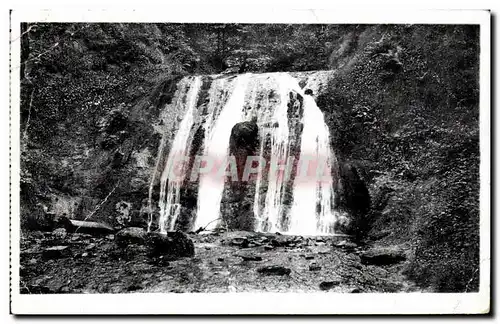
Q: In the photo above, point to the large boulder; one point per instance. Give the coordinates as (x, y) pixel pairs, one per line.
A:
(131, 235)
(245, 135)
(171, 244)
(238, 196)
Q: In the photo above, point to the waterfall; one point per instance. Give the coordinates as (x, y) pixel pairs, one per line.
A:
(174, 173)
(313, 193)
(291, 127)
(272, 214)
(176, 103)
(217, 149)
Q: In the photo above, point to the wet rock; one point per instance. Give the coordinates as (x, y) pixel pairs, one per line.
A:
(355, 199)
(345, 245)
(383, 256)
(172, 244)
(131, 235)
(309, 257)
(55, 252)
(274, 271)
(268, 247)
(327, 285)
(251, 258)
(239, 241)
(245, 135)
(314, 267)
(286, 241)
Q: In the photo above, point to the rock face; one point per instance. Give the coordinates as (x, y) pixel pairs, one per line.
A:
(244, 136)
(173, 244)
(383, 256)
(354, 198)
(237, 201)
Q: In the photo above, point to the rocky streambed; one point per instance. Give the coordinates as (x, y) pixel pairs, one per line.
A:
(134, 261)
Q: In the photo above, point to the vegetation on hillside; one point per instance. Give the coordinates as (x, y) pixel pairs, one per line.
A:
(406, 112)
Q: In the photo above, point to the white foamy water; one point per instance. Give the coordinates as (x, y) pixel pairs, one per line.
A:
(311, 212)
(272, 214)
(211, 184)
(174, 172)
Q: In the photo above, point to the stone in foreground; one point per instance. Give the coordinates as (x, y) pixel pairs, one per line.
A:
(172, 244)
(131, 235)
(55, 252)
(314, 267)
(251, 258)
(383, 256)
(274, 271)
(327, 285)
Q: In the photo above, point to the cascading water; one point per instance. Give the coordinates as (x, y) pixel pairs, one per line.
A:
(173, 175)
(273, 209)
(285, 132)
(217, 150)
(313, 191)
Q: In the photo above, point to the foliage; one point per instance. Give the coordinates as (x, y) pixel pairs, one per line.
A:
(407, 108)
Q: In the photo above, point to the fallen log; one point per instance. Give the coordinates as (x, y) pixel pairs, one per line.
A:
(78, 226)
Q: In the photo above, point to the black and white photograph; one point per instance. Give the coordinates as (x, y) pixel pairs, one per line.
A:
(321, 160)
